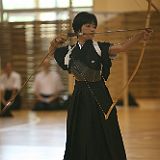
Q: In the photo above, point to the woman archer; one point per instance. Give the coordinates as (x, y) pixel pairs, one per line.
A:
(89, 135)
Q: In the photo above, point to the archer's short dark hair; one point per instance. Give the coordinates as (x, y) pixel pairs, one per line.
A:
(83, 18)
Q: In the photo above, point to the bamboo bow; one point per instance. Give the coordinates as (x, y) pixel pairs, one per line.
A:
(147, 25)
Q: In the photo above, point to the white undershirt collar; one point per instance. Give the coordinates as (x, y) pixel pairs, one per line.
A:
(80, 45)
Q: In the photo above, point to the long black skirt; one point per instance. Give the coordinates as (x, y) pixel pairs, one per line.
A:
(89, 135)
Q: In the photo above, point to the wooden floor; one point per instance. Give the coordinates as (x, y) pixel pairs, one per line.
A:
(41, 136)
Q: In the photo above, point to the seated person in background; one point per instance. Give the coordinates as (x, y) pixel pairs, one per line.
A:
(48, 87)
(10, 83)
(131, 101)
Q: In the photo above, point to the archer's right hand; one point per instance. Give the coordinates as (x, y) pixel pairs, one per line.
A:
(56, 42)
(59, 39)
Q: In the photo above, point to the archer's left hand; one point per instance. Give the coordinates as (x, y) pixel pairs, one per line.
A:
(147, 34)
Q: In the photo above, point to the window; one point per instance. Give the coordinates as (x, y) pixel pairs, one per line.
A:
(53, 3)
(49, 16)
(23, 17)
(42, 10)
(18, 4)
(82, 3)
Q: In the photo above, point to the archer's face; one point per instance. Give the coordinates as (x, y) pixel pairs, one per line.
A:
(88, 30)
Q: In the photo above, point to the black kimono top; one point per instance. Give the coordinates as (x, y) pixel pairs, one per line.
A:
(85, 63)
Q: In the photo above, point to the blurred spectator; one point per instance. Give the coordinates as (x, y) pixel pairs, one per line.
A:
(10, 83)
(131, 101)
(48, 88)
